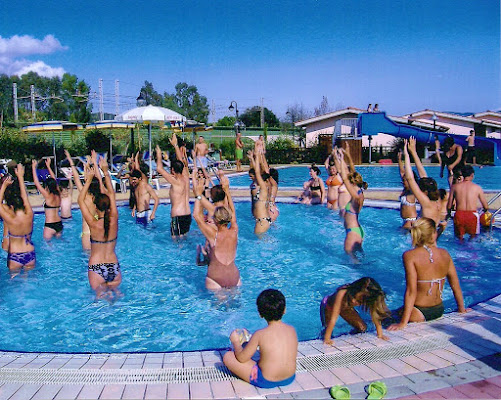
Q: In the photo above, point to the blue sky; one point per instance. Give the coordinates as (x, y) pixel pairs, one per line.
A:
(404, 55)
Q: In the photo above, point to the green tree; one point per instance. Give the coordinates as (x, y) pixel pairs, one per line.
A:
(189, 102)
(226, 121)
(151, 95)
(252, 117)
(6, 107)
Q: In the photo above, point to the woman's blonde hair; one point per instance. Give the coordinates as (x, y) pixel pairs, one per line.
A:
(373, 299)
(422, 232)
(356, 179)
(222, 216)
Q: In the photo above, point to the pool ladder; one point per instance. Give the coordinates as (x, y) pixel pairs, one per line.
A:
(498, 211)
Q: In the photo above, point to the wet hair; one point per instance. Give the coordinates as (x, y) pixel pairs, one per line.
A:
(102, 202)
(316, 169)
(64, 183)
(271, 304)
(274, 174)
(13, 197)
(222, 216)
(265, 176)
(456, 175)
(467, 170)
(442, 193)
(94, 188)
(51, 185)
(136, 174)
(373, 300)
(422, 232)
(177, 166)
(252, 171)
(448, 143)
(217, 193)
(356, 179)
(429, 186)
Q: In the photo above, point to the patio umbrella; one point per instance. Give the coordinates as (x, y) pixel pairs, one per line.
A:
(52, 126)
(150, 115)
(111, 124)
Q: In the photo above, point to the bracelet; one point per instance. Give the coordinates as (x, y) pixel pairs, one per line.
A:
(199, 197)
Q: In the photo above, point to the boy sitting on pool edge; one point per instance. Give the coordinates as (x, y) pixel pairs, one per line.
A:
(277, 346)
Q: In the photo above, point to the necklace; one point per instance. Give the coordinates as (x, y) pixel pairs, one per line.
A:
(429, 252)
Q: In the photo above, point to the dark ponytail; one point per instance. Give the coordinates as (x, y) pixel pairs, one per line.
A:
(102, 202)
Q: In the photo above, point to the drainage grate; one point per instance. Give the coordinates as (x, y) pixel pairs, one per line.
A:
(215, 374)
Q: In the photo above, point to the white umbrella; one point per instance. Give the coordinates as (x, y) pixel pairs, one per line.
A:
(150, 115)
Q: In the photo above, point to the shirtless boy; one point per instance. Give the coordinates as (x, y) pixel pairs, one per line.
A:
(201, 151)
(277, 346)
(179, 192)
(143, 193)
(467, 196)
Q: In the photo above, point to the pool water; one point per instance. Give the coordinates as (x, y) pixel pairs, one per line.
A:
(379, 177)
(165, 306)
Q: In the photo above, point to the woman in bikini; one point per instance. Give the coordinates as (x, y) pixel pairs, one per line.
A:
(104, 270)
(222, 239)
(52, 195)
(17, 216)
(408, 211)
(364, 292)
(94, 190)
(272, 206)
(259, 194)
(355, 185)
(426, 269)
(314, 188)
(333, 182)
(426, 191)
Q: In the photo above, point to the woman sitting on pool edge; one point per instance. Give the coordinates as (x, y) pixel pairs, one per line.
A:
(356, 186)
(52, 195)
(364, 292)
(17, 216)
(104, 270)
(314, 188)
(426, 269)
(222, 239)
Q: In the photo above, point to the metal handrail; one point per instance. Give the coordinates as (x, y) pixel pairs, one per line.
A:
(494, 198)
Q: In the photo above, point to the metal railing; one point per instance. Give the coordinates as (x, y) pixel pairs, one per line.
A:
(498, 211)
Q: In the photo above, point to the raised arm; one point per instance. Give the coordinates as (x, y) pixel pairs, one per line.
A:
(250, 154)
(51, 173)
(347, 154)
(3, 213)
(19, 171)
(36, 181)
(76, 175)
(161, 170)
(103, 164)
(401, 166)
(225, 183)
(422, 197)
(343, 169)
(179, 154)
(260, 181)
(414, 154)
(200, 203)
(97, 173)
(86, 214)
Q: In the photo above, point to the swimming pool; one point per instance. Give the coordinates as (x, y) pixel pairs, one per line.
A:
(379, 177)
(165, 306)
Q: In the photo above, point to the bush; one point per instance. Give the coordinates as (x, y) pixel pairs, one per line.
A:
(97, 140)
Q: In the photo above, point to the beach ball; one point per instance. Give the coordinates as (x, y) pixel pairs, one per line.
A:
(485, 219)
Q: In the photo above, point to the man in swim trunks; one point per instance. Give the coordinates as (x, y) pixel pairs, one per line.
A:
(201, 151)
(143, 194)
(239, 151)
(179, 191)
(471, 155)
(467, 196)
(277, 346)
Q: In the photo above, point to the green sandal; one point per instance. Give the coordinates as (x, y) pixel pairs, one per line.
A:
(340, 392)
(376, 390)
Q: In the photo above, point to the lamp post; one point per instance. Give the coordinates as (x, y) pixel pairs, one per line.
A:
(237, 124)
(434, 119)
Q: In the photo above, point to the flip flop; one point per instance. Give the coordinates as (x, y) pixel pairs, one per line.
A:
(340, 392)
(376, 390)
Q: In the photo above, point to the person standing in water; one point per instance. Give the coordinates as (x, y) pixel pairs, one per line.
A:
(239, 151)
(179, 191)
(143, 194)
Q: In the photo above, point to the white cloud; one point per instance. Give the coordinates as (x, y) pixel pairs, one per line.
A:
(14, 49)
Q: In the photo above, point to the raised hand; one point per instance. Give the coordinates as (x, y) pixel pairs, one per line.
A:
(47, 162)
(20, 171)
(103, 164)
(173, 140)
(8, 181)
(68, 156)
(412, 144)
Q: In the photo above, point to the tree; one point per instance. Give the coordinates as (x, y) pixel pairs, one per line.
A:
(226, 121)
(189, 102)
(296, 112)
(252, 117)
(323, 108)
(151, 95)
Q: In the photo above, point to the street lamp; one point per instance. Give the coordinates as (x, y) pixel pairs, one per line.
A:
(141, 101)
(434, 118)
(237, 124)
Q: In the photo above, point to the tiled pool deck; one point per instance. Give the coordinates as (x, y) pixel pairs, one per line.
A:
(457, 356)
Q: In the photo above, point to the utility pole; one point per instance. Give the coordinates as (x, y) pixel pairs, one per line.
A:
(117, 97)
(14, 94)
(32, 97)
(262, 113)
(101, 101)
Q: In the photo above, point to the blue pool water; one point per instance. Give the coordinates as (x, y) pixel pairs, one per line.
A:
(165, 306)
(379, 177)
